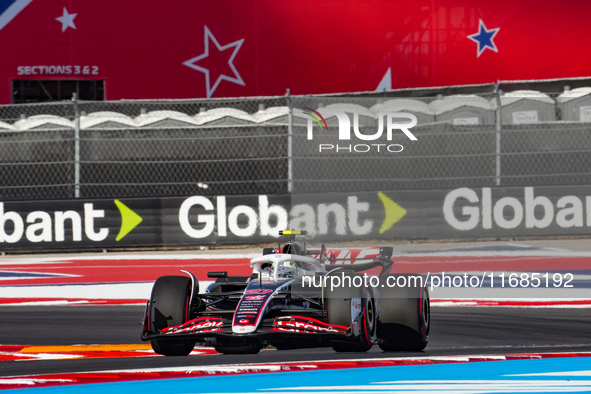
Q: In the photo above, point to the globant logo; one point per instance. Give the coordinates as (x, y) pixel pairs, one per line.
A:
(201, 217)
(266, 220)
(535, 212)
(75, 225)
(398, 121)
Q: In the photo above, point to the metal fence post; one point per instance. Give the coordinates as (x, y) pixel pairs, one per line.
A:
(498, 128)
(289, 142)
(76, 146)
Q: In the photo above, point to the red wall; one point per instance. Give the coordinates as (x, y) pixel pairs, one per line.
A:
(310, 46)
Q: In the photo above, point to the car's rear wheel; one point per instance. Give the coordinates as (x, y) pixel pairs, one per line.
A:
(405, 316)
(169, 307)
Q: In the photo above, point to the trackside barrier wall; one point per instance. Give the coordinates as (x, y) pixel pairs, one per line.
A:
(436, 163)
(204, 220)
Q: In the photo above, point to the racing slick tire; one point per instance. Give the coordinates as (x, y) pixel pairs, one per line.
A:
(338, 311)
(405, 315)
(169, 307)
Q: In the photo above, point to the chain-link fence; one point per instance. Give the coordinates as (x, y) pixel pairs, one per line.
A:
(443, 156)
(276, 145)
(148, 148)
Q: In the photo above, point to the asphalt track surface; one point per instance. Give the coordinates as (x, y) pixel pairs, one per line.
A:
(456, 331)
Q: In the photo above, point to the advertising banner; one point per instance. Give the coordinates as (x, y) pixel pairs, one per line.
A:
(76, 224)
(390, 215)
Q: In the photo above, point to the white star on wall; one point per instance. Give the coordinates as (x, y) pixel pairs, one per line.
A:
(67, 20)
(236, 78)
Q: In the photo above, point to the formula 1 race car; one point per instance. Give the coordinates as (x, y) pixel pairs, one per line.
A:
(295, 298)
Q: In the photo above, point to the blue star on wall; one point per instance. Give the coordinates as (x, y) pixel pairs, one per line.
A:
(484, 38)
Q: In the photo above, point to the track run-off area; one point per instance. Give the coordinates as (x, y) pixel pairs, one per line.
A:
(73, 319)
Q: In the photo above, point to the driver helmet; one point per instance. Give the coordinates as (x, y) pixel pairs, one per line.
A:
(286, 270)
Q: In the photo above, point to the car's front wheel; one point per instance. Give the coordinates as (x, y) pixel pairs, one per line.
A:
(342, 303)
(169, 307)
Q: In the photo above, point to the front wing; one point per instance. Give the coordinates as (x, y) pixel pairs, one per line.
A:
(279, 327)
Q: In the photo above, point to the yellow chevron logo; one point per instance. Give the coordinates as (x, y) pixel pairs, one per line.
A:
(129, 220)
(392, 212)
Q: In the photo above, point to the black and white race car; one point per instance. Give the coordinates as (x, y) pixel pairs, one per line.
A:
(295, 298)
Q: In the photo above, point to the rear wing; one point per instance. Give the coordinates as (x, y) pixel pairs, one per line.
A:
(353, 255)
(357, 259)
